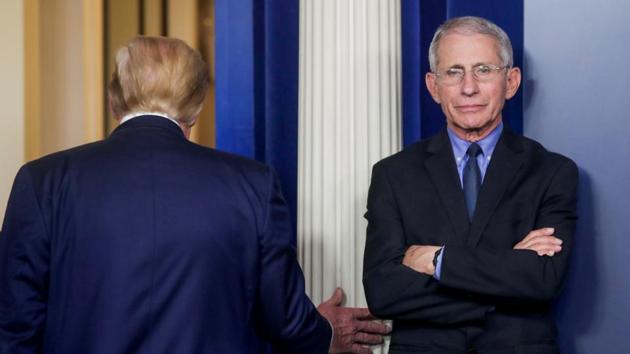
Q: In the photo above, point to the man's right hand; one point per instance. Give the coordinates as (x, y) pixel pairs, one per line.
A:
(542, 241)
(353, 328)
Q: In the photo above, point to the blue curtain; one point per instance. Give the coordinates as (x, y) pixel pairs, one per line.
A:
(257, 48)
(419, 20)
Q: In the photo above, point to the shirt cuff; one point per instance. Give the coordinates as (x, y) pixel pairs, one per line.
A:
(438, 267)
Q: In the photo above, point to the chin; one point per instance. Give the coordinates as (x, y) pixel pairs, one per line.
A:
(472, 126)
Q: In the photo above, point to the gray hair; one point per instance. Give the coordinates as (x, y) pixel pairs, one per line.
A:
(471, 25)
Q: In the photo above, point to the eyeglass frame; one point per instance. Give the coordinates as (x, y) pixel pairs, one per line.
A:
(494, 68)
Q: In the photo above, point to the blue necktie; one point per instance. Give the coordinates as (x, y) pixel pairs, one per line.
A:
(472, 179)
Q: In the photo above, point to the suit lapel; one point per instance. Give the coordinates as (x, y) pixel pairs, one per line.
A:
(443, 173)
(507, 158)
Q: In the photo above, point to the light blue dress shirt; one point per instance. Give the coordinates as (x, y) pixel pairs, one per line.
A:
(460, 146)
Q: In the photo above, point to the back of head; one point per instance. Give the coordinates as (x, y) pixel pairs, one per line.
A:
(158, 74)
(471, 25)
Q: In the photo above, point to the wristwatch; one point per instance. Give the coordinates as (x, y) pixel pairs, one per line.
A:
(435, 257)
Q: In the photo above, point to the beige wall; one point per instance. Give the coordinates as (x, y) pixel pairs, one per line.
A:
(61, 67)
(51, 70)
(63, 74)
(11, 95)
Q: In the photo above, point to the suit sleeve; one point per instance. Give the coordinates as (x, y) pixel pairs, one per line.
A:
(394, 291)
(520, 275)
(24, 259)
(284, 312)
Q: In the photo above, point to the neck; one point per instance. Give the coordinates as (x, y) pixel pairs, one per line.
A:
(474, 134)
(186, 129)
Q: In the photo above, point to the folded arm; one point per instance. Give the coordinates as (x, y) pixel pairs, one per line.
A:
(534, 269)
(393, 290)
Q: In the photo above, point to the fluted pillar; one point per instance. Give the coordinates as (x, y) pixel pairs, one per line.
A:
(349, 118)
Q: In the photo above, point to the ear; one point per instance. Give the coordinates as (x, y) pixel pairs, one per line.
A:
(513, 82)
(112, 111)
(431, 80)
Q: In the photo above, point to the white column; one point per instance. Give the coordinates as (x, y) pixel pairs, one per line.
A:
(349, 118)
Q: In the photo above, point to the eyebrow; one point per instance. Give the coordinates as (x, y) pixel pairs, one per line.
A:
(457, 66)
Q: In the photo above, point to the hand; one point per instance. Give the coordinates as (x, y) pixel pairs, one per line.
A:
(420, 258)
(353, 328)
(542, 241)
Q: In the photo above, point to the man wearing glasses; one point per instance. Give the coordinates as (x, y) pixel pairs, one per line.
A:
(470, 231)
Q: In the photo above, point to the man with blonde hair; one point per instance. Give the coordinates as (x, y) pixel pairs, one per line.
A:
(148, 243)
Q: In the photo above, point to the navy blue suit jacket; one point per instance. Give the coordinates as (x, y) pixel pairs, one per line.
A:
(148, 243)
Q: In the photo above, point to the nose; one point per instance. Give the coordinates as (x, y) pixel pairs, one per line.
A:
(469, 85)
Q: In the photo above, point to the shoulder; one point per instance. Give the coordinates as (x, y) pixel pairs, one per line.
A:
(412, 155)
(540, 156)
(52, 162)
(538, 149)
(230, 163)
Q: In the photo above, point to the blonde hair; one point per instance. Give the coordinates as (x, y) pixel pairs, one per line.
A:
(158, 74)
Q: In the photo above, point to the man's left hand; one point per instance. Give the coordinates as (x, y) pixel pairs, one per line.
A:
(353, 328)
(420, 258)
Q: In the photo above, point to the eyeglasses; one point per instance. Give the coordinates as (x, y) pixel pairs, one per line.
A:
(481, 73)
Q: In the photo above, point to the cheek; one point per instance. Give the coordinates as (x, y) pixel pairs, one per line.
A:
(496, 96)
(446, 97)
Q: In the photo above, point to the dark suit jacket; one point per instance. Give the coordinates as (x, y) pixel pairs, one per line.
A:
(490, 297)
(148, 243)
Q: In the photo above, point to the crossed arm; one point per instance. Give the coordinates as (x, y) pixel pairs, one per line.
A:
(398, 277)
(542, 241)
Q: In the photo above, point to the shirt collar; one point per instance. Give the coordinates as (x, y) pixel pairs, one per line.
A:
(138, 114)
(487, 144)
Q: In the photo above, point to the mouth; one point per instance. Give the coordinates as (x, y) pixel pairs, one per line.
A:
(470, 108)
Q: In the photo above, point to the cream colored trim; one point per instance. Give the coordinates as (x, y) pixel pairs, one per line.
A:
(32, 81)
(152, 17)
(182, 24)
(205, 126)
(93, 108)
(182, 21)
(123, 26)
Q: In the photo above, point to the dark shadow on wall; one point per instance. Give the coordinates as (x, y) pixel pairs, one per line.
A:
(576, 307)
(528, 84)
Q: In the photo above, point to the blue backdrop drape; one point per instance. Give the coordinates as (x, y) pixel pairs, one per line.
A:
(257, 47)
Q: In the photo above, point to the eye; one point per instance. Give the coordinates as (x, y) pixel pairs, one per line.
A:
(483, 70)
(454, 72)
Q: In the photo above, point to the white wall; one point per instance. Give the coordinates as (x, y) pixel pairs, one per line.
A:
(577, 102)
(11, 95)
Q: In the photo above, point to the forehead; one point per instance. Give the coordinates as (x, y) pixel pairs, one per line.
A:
(468, 49)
